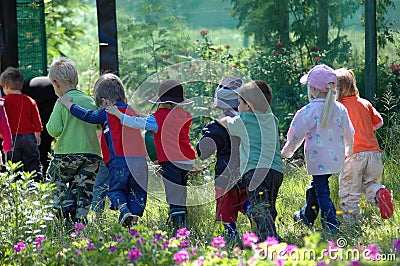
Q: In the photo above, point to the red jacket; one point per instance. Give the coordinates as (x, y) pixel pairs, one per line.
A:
(124, 141)
(172, 138)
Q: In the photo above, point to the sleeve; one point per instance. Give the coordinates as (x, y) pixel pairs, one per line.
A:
(348, 134)
(36, 121)
(207, 145)
(236, 126)
(56, 123)
(295, 136)
(87, 115)
(5, 131)
(146, 123)
(377, 120)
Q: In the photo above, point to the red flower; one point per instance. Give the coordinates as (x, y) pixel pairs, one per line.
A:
(278, 44)
(315, 49)
(166, 56)
(276, 52)
(395, 68)
(317, 58)
(184, 51)
(204, 32)
(228, 46)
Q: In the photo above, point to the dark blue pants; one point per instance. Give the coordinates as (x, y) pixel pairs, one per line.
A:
(127, 186)
(100, 188)
(318, 198)
(175, 180)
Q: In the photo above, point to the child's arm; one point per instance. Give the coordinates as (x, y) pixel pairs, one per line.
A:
(38, 138)
(87, 115)
(5, 130)
(295, 136)
(348, 135)
(66, 101)
(146, 123)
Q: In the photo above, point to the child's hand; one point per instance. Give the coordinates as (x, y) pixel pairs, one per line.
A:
(224, 121)
(66, 101)
(112, 109)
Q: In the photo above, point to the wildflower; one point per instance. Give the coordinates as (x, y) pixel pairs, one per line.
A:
(184, 244)
(396, 245)
(38, 241)
(218, 242)
(199, 261)
(339, 212)
(181, 256)
(134, 254)
(79, 227)
(184, 51)
(321, 263)
(134, 233)
(78, 252)
(165, 244)
(140, 241)
(113, 248)
(193, 251)
(166, 56)
(249, 239)
(278, 44)
(395, 68)
(73, 234)
(276, 52)
(118, 238)
(218, 255)
(19, 246)
(204, 32)
(372, 252)
(228, 46)
(182, 233)
(315, 49)
(354, 263)
(279, 262)
(271, 241)
(317, 58)
(289, 249)
(350, 211)
(91, 246)
(157, 237)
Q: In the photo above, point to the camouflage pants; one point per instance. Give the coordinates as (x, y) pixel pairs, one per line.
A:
(73, 176)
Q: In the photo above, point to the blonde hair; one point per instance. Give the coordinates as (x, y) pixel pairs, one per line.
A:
(109, 86)
(13, 78)
(64, 71)
(329, 101)
(346, 83)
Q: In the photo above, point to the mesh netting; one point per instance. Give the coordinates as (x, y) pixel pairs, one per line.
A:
(31, 38)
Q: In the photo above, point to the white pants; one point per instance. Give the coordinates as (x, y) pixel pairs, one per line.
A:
(362, 173)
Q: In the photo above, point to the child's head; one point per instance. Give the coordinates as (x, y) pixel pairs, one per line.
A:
(12, 79)
(64, 75)
(170, 92)
(321, 83)
(346, 83)
(255, 96)
(226, 97)
(108, 90)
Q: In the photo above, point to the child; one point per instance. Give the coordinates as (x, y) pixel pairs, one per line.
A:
(363, 169)
(5, 130)
(231, 196)
(325, 127)
(77, 153)
(261, 165)
(123, 149)
(25, 124)
(171, 125)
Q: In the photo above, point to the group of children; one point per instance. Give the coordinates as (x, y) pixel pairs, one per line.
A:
(337, 127)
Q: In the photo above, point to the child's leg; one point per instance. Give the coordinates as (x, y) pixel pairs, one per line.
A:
(328, 211)
(100, 189)
(137, 197)
(227, 207)
(175, 180)
(309, 212)
(351, 187)
(274, 179)
(372, 175)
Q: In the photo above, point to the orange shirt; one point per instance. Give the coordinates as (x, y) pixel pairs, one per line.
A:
(365, 119)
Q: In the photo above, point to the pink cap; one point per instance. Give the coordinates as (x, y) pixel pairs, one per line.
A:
(319, 77)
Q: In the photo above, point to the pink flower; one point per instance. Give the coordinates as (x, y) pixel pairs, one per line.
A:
(271, 241)
(354, 263)
(134, 254)
(228, 46)
(133, 233)
(165, 244)
(118, 238)
(184, 244)
(193, 251)
(182, 233)
(199, 262)
(79, 227)
(279, 262)
(204, 32)
(78, 252)
(38, 241)
(113, 248)
(278, 44)
(396, 245)
(19, 246)
(218, 242)
(321, 263)
(249, 239)
(181, 256)
(372, 252)
(395, 68)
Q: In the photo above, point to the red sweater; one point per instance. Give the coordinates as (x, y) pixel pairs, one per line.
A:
(23, 114)
(172, 138)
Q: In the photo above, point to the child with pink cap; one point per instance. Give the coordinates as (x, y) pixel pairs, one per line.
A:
(325, 127)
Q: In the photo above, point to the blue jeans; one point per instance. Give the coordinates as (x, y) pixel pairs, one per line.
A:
(26, 151)
(175, 181)
(318, 197)
(100, 188)
(128, 183)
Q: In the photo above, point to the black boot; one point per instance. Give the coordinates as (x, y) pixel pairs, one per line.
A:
(178, 221)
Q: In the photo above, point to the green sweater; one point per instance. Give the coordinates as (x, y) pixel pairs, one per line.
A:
(73, 136)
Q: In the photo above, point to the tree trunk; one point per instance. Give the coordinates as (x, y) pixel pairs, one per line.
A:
(323, 6)
(283, 16)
